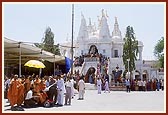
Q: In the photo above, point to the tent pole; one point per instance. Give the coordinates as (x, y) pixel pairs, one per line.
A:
(72, 39)
(54, 65)
(19, 59)
(40, 69)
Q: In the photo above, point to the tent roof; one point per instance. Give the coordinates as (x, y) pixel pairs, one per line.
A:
(28, 51)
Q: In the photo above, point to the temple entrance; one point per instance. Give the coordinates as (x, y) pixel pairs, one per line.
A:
(137, 75)
(145, 75)
(90, 75)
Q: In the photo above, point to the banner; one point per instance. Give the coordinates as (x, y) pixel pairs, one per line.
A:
(68, 63)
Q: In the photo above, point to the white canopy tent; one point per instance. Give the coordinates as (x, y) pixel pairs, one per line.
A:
(20, 52)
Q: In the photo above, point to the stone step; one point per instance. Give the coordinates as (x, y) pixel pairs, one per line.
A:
(118, 88)
(89, 86)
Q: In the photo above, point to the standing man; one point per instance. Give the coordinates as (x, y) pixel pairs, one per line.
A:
(6, 86)
(106, 86)
(81, 86)
(162, 84)
(99, 85)
(15, 92)
(144, 85)
(61, 90)
(68, 87)
(52, 93)
(128, 85)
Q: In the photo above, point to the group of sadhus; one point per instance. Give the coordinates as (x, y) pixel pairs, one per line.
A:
(26, 90)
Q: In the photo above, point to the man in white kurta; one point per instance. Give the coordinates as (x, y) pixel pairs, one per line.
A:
(99, 85)
(61, 90)
(68, 87)
(81, 86)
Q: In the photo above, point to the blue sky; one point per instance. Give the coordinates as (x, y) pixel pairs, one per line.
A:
(28, 22)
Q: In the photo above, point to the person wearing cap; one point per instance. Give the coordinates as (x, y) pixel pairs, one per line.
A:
(99, 85)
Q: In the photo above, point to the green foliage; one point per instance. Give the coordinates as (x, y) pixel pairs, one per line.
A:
(159, 52)
(130, 50)
(48, 42)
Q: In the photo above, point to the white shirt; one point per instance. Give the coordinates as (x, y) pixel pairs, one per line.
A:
(143, 83)
(61, 85)
(32, 82)
(29, 95)
(81, 84)
(99, 82)
(72, 81)
(68, 84)
(139, 83)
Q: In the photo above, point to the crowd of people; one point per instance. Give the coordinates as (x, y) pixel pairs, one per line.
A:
(32, 90)
(141, 85)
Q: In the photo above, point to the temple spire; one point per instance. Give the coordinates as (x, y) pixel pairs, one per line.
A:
(116, 20)
(103, 14)
(82, 15)
(83, 33)
(104, 28)
(116, 30)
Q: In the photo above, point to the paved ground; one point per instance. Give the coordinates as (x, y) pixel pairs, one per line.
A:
(115, 101)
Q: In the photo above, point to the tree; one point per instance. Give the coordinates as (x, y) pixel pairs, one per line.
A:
(159, 52)
(48, 42)
(130, 50)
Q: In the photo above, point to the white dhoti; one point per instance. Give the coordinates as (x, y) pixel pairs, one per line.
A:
(99, 88)
(72, 92)
(81, 94)
(60, 97)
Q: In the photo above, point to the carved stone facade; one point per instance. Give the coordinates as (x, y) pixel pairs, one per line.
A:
(99, 40)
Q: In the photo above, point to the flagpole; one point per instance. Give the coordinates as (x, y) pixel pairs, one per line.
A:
(72, 38)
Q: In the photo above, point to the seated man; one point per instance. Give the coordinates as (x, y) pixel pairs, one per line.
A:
(29, 100)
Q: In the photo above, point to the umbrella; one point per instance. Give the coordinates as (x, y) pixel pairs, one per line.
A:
(35, 64)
